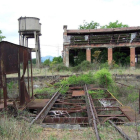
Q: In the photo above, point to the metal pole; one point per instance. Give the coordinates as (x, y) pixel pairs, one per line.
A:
(4, 85)
(23, 40)
(31, 78)
(5, 91)
(28, 68)
(19, 74)
(139, 101)
(28, 77)
(0, 95)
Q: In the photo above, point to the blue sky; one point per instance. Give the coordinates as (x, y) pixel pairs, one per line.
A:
(54, 14)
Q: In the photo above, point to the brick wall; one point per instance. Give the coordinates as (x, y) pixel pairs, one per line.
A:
(88, 55)
(110, 55)
(132, 57)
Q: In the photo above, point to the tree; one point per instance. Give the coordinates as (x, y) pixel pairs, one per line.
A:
(47, 62)
(34, 61)
(58, 59)
(1, 37)
(115, 24)
(121, 58)
(91, 25)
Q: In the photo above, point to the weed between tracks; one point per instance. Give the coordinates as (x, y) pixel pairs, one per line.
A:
(13, 129)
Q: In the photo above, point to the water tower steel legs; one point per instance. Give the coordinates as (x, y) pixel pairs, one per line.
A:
(39, 54)
(37, 47)
(20, 39)
(23, 40)
(26, 41)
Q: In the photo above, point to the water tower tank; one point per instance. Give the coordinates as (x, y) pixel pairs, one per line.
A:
(29, 27)
(29, 24)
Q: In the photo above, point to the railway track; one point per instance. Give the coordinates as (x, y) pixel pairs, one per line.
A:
(91, 113)
(94, 120)
(126, 137)
(41, 116)
(60, 109)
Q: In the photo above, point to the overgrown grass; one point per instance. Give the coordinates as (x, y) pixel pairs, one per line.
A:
(11, 129)
(84, 66)
(59, 67)
(98, 94)
(48, 92)
(127, 95)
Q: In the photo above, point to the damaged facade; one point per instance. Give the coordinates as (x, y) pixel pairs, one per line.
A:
(88, 39)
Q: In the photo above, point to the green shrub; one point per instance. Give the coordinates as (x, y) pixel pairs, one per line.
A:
(104, 65)
(48, 91)
(72, 80)
(47, 62)
(97, 94)
(81, 79)
(84, 66)
(60, 67)
(64, 89)
(103, 77)
(86, 78)
(58, 59)
(76, 68)
(77, 80)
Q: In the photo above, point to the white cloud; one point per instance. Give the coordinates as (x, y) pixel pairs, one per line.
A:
(54, 14)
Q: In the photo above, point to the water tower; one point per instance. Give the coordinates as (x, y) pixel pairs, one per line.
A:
(29, 27)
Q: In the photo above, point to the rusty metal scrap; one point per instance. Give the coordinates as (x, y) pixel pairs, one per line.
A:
(66, 120)
(46, 108)
(11, 56)
(78, 93)
(68, 104)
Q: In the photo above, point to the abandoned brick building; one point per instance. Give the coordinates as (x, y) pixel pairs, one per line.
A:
(128, 39)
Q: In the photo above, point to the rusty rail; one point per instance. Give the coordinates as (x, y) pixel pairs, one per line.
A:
(94, 123)
(119, 130)
(47, 107)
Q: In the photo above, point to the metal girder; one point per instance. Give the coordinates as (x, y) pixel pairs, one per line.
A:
(66, 120)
